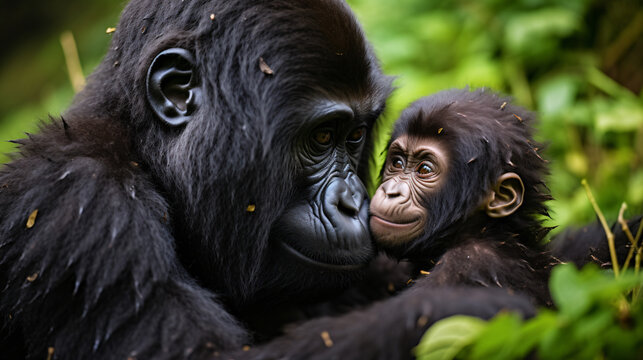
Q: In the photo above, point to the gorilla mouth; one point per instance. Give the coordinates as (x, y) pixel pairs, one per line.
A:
(388, 232)
(401, 224)
(325, 237)
(317, 263)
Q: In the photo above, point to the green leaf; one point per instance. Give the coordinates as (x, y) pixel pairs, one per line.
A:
(590, 327)
(556, 94)
(534, 331)
(446, 338)
(575, 292)
(499, 338)
(534, 33)
(567, 291)
(623, 115)
(635, 188)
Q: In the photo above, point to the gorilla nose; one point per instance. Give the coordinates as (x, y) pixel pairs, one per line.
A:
(340, 195)
(394, 188)
(347, 204)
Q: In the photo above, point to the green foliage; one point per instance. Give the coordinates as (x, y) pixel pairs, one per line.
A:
(594, 320)
(33, 78)
(446, 339)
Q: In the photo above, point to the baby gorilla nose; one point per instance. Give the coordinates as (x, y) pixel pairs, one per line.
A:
(396, 188)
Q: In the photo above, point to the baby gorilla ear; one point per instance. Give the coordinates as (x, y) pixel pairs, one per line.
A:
(506, 196)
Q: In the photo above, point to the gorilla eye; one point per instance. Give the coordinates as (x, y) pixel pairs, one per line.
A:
(424, 169)
(323, 137)
(397, 163)
(357, 135)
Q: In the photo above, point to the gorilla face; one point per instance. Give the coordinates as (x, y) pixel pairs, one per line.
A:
(327, 222)
(226, 135)
(415, 171)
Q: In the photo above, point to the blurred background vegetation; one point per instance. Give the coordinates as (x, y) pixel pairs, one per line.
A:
(578, 63)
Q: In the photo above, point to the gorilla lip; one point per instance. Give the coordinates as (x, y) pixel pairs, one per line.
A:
(393, 224)
(328, 266)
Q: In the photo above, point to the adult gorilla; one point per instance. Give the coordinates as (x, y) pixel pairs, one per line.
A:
(216, 150)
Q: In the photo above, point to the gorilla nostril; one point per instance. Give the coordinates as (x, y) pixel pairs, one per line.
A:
(346, 203)
(348, 207)
(340, 196)
(393, 194)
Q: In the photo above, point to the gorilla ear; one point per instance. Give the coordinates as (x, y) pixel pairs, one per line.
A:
(506, 197)
(173, 86)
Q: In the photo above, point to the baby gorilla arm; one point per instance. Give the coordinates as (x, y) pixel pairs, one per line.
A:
(492, 263)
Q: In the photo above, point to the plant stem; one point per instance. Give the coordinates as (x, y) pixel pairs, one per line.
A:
(637, 262)
(608, 232)
(628, 233)
(73, 61)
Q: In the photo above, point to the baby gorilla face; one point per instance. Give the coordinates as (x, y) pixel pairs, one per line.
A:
(415, 169)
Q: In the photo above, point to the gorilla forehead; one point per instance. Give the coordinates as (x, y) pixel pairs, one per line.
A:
(316, 49)
(302, 41)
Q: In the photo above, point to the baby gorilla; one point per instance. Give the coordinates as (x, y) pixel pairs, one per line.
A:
(462, 193)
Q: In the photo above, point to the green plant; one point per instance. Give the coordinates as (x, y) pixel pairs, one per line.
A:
(593, 321)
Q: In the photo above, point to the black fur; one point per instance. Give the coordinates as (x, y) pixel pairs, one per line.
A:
(386, 330)
(589, 244)
(142, 244)
(136, 219)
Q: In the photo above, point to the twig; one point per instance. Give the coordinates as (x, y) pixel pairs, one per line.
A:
(637, 264)
(608, 232)
(73, 61)
(628, 233)
(624, 41)
(637, 261)
(621, 220)
(639, 231)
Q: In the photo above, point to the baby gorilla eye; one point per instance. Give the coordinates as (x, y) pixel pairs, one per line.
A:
(397, 163)
(322, 137)
(357, 135)
(425, 169)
